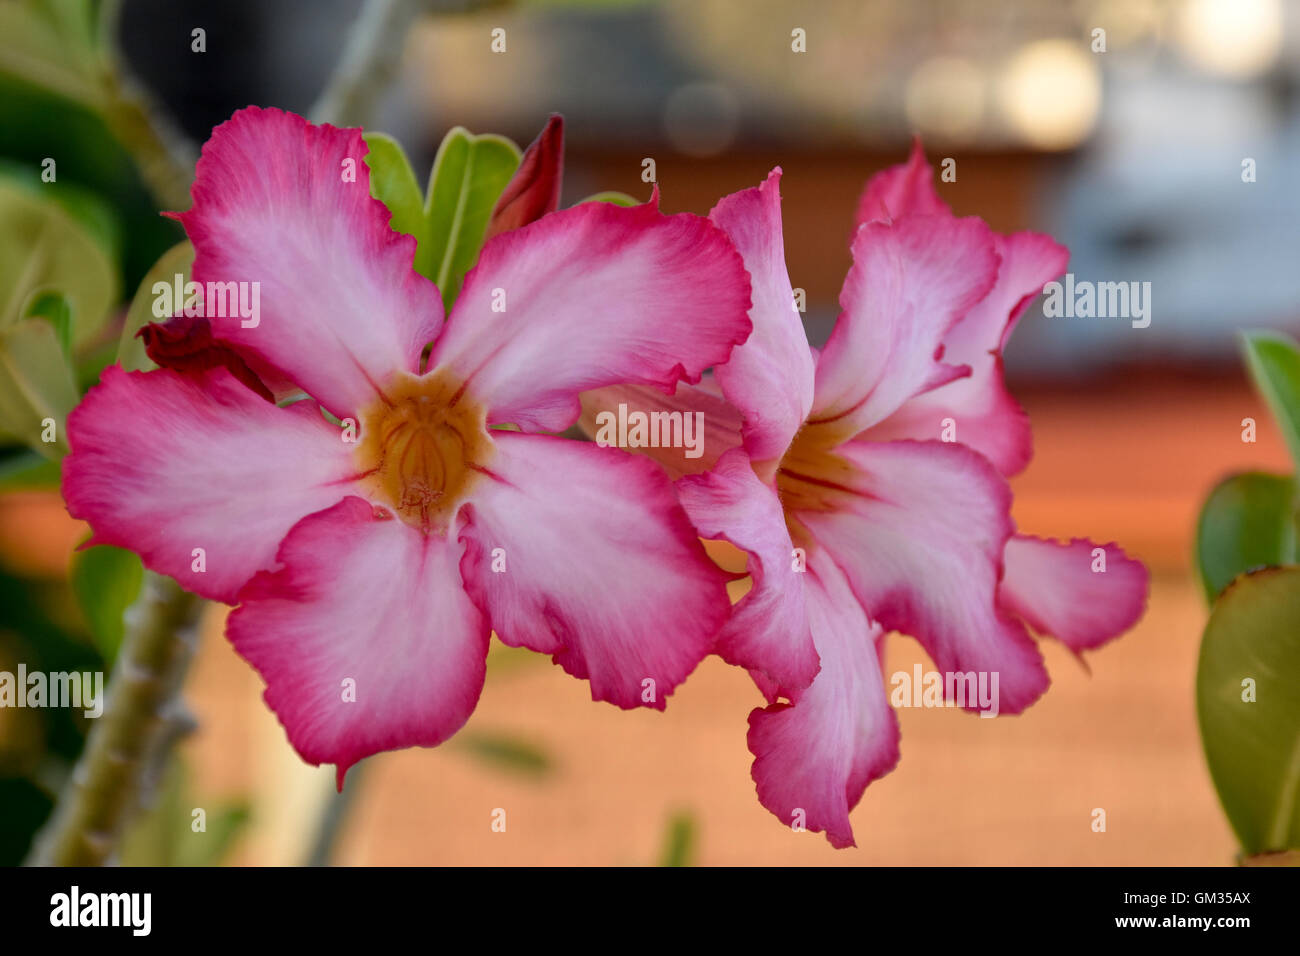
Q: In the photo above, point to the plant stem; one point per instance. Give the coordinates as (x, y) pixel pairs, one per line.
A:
(127, 743)
(330, 825)
(164, 158)
(372, 55)
(369, 62)
(162, 154)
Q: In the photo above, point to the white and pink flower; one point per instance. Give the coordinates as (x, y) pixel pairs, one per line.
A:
(387, 561)
(829, 472)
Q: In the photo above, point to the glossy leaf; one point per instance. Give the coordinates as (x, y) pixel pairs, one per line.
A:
(1274, 363)
(106, 581)
(393, 183)
(1246, 523)
(1249, 710)
(468, 175)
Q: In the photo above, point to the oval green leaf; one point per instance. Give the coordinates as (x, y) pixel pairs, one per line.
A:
(1247, 523)
(469, 174)
(1249, 710)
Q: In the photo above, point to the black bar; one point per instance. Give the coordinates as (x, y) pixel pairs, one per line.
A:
(654, 908)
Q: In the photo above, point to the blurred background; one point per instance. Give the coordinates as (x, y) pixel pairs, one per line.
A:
(1156, 138)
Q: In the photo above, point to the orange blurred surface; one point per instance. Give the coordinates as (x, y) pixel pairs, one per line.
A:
(1128, 461)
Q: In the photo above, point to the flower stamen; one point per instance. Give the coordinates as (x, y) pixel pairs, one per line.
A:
(422, 451)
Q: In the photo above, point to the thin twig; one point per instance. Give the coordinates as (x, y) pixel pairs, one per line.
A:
(162, 153)
(372, 55)
(330, 826)
(369, 63)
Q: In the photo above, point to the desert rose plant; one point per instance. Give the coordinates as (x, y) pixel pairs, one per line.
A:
(344, 422)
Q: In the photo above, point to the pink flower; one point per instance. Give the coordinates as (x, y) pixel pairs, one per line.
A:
(369, 573)
(839, 455)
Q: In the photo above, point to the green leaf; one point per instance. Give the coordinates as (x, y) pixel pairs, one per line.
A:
(509, 753)
(178, 260)
(55, 309)
(393, 183)
(469, 174)
(106, 581)
(53, 44)
(1247, 523)
(617, 198)
(44, 248)
(1274, 364)
(37, 389)
(98, 182)
(1251, 649)
(679, 841)
(86, 207)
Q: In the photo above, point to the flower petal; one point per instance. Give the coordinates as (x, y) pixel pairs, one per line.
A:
(1062, 590)
(813, 760)
(185, 343)
(366, 599)
(768, 628)
(534, 190)
(340, 305)
(717, 423)
(919, 531)
(983, 414)
(592, 296)
(770, 377)
(164, 463)
(910, 283)
(597, 565)
(903, 190)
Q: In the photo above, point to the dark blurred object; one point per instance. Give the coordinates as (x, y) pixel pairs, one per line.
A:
(262, 52)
